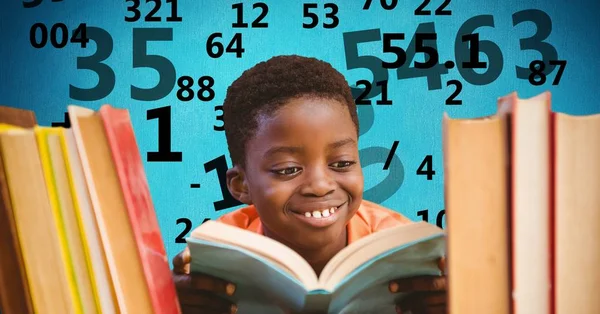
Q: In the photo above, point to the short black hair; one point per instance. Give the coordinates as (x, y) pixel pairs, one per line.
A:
(269, 85)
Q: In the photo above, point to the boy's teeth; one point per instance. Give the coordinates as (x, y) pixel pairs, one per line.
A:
(319, 214)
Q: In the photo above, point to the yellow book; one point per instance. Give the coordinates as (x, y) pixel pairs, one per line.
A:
(38, 236)
(62, 209)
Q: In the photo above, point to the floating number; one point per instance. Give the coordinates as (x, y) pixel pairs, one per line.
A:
(164, 153)
(384, 4)
(360, 100)
(220, 164)
(473, 62)
(424, 41)
(537, 71)
(427, 162)
(464, 54)
(314, 18)
(211, 43)
(185, 92)
(439, 220)
(141, 59)
(543, 25)
(219, 118)
(257, 23)
(399, 52)
(188, 227)
(185, 84)
(57, 39)
(439, 11)
(106, 75)
(150, 17)
(452, 99)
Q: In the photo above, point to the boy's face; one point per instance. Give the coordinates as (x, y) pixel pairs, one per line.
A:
(304, 159)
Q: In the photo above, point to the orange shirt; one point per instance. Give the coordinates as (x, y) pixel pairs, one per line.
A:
(369, 218)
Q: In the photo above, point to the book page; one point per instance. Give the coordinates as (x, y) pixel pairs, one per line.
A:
(367, 248)
(275, 252)
(367, 286)
(259, 283)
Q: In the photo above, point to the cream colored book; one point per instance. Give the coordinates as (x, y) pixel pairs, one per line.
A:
(577, 197)
(271, 277)
(530, 137)
(92, 244)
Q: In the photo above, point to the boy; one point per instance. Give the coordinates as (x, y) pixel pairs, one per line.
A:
(292, 131)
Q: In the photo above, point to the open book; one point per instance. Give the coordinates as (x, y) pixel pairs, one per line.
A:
(271, 277)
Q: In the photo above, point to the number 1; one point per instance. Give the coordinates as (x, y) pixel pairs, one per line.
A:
(220, 164)
(164, 153)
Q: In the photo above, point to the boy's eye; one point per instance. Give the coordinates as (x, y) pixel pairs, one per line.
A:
(293, 170)
(343, 164)
(287, 171)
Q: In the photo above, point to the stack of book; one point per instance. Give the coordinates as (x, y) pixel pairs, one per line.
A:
(78, 231)
(522, 193)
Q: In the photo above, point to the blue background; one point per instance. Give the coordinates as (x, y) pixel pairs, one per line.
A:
(38, 79)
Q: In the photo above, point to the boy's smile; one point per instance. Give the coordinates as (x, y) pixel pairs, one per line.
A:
(303, 174)
(318, 217)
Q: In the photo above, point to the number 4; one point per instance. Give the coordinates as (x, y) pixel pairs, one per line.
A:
(80, 35)
(429, 163)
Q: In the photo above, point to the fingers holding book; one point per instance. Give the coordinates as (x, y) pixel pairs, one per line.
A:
(428, 294)
(201, 293)
(181, 262)
(419, 284)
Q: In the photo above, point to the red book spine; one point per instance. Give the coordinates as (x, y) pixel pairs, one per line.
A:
(552, 209)
(142, 216)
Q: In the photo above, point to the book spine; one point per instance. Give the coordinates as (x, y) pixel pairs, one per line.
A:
(552, 214)
(134, 185)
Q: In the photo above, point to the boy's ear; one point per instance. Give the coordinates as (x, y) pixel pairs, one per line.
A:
(236, 183)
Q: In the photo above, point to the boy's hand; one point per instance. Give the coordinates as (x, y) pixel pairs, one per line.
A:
(199, 293)
(428, 293)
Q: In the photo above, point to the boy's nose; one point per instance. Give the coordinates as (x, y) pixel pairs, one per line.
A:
(318, 183)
